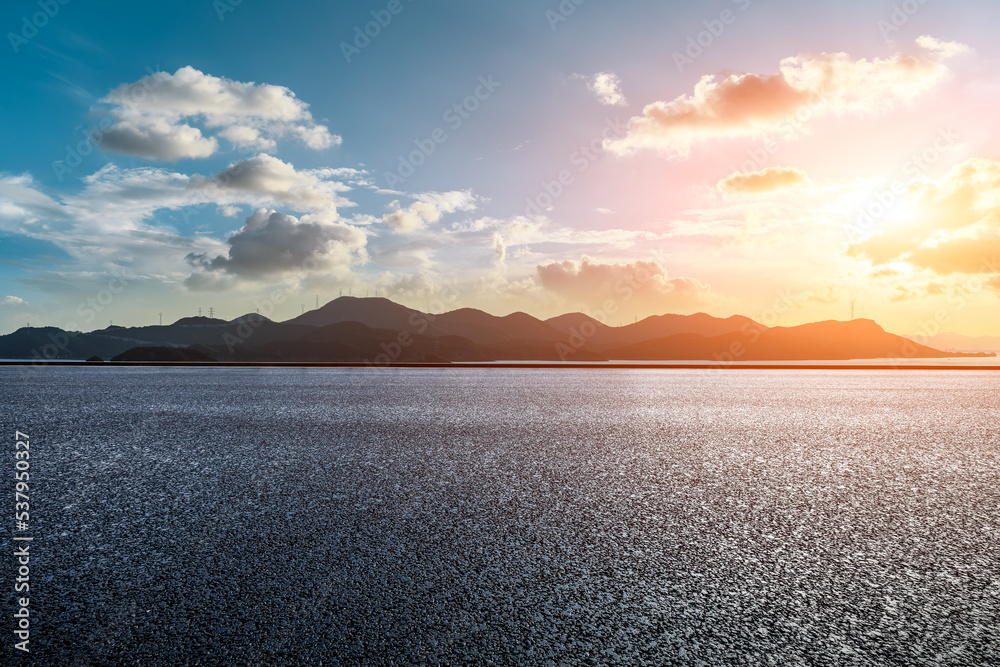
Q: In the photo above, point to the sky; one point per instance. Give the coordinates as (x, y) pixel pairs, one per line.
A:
(778, 160)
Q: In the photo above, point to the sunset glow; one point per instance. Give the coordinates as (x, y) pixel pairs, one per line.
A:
(729, 153)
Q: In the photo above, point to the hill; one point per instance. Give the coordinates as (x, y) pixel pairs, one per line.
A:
(483, 327)
(374, 312)
(820, 341)
(380, 331)
(603, 336)
(958, 343)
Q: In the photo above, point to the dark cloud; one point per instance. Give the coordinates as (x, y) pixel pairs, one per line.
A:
(271, 242)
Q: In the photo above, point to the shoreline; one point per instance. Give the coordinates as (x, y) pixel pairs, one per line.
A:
(661, 365)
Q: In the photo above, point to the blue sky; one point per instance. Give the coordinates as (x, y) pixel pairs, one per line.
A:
(476, 224)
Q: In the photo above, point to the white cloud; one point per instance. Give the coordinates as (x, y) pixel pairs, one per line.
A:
(264, 179)
(428, 209)
(23, 205)
(417, 254)
(946, 49)
(271, 242)
(420, 287)
(14, 301)
(410, 219)
(346, 173)
(247, 137)
(741, 105)
(115, 199)
(499, 249)
(607, 87)
(113, 222)
(645, 285)
(449, 202)
(155, 117)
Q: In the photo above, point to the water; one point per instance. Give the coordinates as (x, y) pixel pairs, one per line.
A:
(362, 516)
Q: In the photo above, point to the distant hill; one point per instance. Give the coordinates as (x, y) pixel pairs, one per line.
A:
(250, 318)
(701, 324)
(381, 313)
(581, 323)
(651, 328)
(380, 331)
(958, 343)
(480, 326)
(199, 322)
(820, 341)
(52, 343)
(375, 312)
(353, 341)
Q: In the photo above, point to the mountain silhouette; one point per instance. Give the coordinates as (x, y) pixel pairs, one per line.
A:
(657, 326)
(483, 327)
(199, 321)
(380, 331)
(375, 312)
(820, 341)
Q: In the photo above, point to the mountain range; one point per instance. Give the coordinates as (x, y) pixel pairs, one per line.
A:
(958, 343)
(379, 331)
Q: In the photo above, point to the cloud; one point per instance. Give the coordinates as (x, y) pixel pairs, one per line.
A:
(416, 254)
(769, 180)
(14, 301)
(428, 209)
(499, 249)
(155, 117)
(23, 205)
(607, 87)
(264, 179)
(413, 218)
(449, 202)
(157, 139)
(953, 227)
(964, 255)
(113, 221)
(247, 137)
(644, 286)
(114, 200)
(271, 242)
(742, 105)
(417, 287)
(347, 173)
(945, 49)
(902, 294)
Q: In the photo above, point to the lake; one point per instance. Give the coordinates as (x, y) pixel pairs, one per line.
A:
(510, 516)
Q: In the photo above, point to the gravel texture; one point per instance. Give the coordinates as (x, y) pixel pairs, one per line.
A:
(495, 517)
